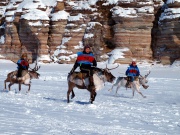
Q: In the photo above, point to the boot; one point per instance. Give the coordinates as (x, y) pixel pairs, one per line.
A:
(91, 82)
(19, 73)
(145, 87)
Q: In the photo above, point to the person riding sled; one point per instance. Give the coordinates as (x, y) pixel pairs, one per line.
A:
(23, 65)
(86, 61)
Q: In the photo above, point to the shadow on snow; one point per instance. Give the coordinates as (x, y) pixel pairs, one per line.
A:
(117, 95)
(82, 103)
(54, 99)
(65, 101)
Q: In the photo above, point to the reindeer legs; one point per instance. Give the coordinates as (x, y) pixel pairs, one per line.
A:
(29, 87)
(70, 89)
(5, 81)
(140, 94)
(118, 86)
(111, 88)
(137, 89)
(68, 93)
(93, 95)
(19, 86)
(9, 86)
(133, 91)
(5, 84)
(72, 95)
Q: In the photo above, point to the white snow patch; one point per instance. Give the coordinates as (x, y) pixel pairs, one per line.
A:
(170, 13)
(59, 15)
(2, 39)
(124, 12)
(75, 18)
(88, 35)
(35, 14)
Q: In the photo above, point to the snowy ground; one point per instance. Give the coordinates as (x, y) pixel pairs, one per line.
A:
(44, 111)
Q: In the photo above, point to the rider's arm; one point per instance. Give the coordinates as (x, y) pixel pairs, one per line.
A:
(127, 71)
(74, 67)
(138, 72)
(94, 63)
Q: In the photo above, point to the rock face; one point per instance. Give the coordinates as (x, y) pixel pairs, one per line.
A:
(122, 30)
(166, 41)
(132, 29)
(24, 32)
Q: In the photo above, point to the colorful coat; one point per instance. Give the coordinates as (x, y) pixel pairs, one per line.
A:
(132, 71)
(22, 64)
(85, 58)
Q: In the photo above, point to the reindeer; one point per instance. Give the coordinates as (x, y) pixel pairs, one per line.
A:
(81, 81)
(27, 75)
(135, 85)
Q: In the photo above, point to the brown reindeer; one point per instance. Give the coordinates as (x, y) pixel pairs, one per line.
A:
(27, 75)
(81, 81)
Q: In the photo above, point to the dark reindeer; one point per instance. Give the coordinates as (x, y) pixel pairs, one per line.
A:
(135, 85)
(81, 81)
(27, 75)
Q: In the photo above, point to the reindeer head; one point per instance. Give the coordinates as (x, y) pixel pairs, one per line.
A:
(33, 72)
(108, 75)
(143, 79)
(110, 78)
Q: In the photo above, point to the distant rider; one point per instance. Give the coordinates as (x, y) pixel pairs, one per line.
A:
(131, 73)
(22, 65)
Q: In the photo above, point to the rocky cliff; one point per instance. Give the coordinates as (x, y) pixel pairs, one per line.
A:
(166, 33)
(117, 30)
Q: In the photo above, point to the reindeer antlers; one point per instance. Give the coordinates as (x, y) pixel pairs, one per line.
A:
(36, 68)
(147, 74)
(112, 68)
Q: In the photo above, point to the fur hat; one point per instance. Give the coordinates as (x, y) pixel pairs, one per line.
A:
(133, 62)
(87, 46)
(24, 55)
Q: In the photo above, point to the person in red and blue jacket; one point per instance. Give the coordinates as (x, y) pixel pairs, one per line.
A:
(22, 64)
(86, 61)
(131, 72)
